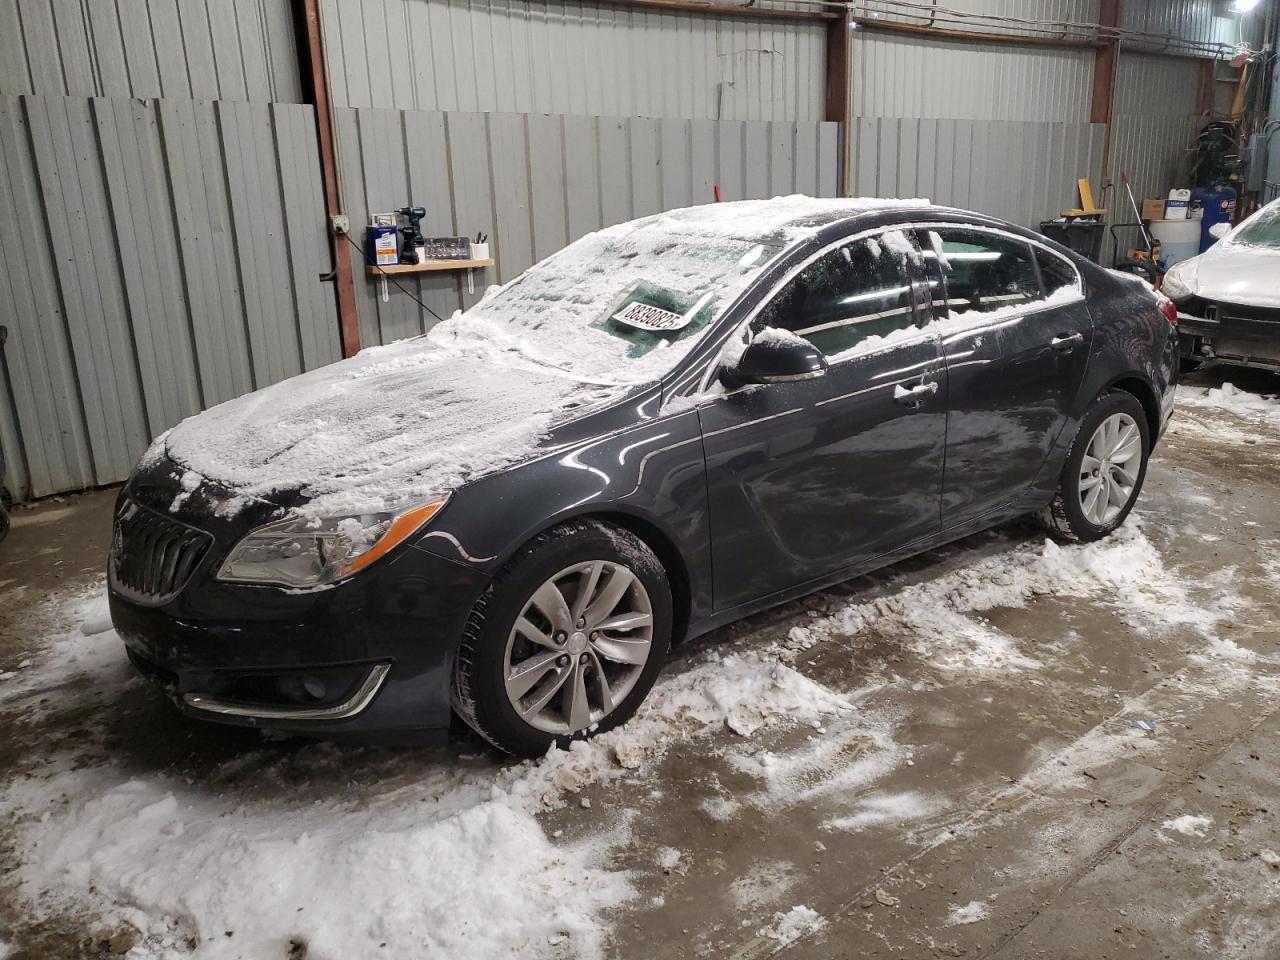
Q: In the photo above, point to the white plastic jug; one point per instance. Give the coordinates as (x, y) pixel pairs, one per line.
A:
(1177, 205)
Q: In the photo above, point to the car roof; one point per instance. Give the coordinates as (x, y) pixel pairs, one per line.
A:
(785, 220)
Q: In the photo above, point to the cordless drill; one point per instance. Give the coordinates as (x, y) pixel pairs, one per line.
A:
(412, 234)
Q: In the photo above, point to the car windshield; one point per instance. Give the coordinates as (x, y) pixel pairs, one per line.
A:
(1263, 230)
(622, 305)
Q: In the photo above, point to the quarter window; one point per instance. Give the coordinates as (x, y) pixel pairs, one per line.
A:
(984, 271)
(850, 295)
(1055, 273)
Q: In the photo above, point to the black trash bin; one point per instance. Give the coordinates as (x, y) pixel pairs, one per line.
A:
(1082, 236)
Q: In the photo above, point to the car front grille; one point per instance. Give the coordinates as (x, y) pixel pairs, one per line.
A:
(152, 556)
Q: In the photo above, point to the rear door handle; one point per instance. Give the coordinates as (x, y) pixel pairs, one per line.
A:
(914, 396)
(1066, 342)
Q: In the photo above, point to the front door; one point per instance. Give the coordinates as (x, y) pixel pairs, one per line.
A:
(1016, 338)
(809, 477)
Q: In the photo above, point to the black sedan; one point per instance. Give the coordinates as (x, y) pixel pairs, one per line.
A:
(666, 426)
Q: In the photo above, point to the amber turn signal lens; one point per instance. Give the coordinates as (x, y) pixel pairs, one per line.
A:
(401, 527)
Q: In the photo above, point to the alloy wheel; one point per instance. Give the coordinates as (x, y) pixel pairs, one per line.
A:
(1109, 470)
(579, 646)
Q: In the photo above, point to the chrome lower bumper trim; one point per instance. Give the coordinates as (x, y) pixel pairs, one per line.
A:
(350, 707)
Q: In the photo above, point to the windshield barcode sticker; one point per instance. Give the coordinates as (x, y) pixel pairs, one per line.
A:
(644, 317)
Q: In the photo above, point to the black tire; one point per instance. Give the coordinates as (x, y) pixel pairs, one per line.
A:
(1065, 517)
(479, 691)
(1187, 364)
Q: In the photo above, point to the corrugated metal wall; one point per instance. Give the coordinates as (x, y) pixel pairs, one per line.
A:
(1186, 19)
(1191, 20)
(536, 182)
(528, 56)
(200, 49)
(1023, 172)
(165, 257)
(1081, 11)
(904, 76)
(1153, 123)
(517, 117)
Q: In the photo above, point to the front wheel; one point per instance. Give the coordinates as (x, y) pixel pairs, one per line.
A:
(1104, 471)
(567, 642)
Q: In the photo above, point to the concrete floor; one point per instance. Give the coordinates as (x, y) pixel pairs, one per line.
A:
(1046, 805)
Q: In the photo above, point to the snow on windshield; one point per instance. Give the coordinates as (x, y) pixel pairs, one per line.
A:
(623, 305)
(1263, 229)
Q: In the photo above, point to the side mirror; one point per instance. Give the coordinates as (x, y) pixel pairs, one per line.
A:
(774, 357)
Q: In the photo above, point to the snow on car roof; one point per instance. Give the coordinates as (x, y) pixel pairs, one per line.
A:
(780, 218)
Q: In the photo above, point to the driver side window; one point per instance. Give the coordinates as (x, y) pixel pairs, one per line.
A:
(850, 295)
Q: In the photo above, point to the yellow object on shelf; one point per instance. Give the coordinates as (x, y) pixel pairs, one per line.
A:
(1086, 209)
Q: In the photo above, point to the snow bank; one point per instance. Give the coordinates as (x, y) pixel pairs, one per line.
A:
(434, 857)
(480, 882)
(936, 618)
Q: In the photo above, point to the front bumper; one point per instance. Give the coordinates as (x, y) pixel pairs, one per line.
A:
(1242, 336)
(370, 656)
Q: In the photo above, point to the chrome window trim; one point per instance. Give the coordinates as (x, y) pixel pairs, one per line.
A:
(704, 380)
(352, 706)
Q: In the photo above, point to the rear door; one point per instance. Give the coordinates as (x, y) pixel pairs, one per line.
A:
(1015, 336)
(808, 477)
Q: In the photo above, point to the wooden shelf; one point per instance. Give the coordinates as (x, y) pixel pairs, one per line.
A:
(429, 266)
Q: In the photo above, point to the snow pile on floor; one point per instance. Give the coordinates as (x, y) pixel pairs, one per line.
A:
(1189, 825)
(797, 922)
(937, 617)
(441, 859)
(479, 881)
(975, 911)
(1261, 408)
(850, 752)
(884, 808)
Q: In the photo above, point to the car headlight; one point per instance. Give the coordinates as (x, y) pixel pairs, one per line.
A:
(313, 552)
(1180, 282)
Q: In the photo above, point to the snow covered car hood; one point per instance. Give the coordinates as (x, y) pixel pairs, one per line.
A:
(408, 421)
(1238, 273)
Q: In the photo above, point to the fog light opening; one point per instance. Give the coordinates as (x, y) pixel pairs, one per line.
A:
(304, 691)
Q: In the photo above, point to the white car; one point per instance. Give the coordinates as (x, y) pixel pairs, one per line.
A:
(1229, 296)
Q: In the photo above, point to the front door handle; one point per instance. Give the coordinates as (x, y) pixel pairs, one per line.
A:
(1066, 342)
(914, 396)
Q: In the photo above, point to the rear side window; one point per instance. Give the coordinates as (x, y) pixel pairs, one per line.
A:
(984, 271)
(1055, 273)
(847, 297)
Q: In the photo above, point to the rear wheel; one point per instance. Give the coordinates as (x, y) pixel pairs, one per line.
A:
(1104, 471)
(567, 642)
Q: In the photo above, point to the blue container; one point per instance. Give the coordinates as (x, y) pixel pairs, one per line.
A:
(1219, 205)
(382, 246)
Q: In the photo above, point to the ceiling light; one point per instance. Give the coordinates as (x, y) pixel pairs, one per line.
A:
(1244, 6)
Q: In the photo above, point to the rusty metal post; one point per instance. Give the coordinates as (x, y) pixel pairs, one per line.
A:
(317, 72)
(839, 100)
(1105, 62)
